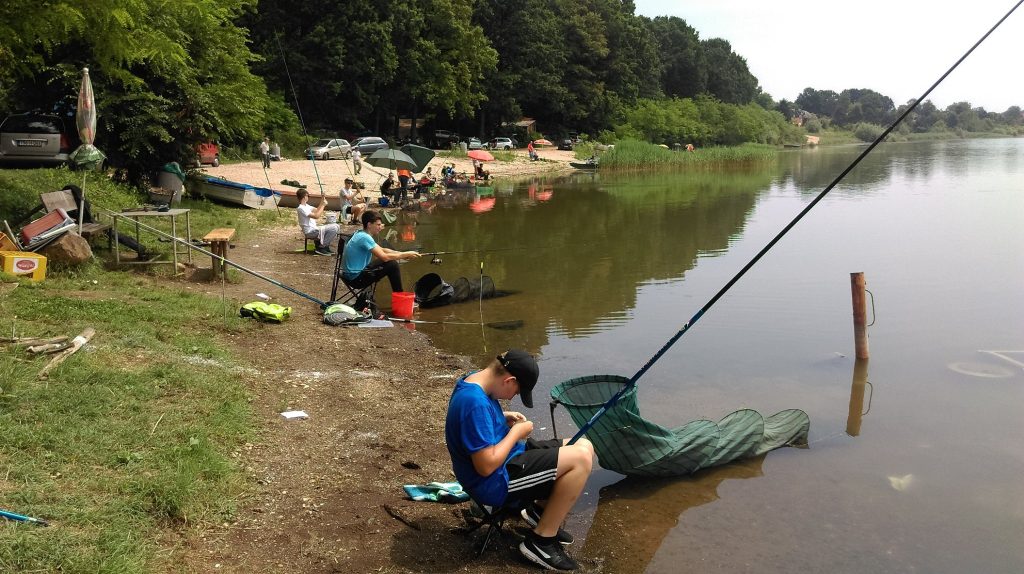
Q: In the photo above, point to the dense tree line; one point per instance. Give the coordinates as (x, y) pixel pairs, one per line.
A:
(852, 107)
(169, 74)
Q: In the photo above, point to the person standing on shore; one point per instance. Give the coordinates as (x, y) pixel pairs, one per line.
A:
(265, 152)
(357, 161)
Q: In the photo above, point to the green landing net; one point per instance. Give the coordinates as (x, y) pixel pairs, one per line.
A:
(628, 444)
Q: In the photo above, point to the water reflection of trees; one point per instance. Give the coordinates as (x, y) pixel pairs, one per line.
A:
(634, 515)
(597, 241)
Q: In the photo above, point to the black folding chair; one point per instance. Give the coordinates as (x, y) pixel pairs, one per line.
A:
(357, 298)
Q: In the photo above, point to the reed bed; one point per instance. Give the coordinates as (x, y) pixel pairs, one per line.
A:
(630, 155)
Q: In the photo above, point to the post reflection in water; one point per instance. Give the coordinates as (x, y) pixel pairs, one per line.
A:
(857, 411)
(635, 514)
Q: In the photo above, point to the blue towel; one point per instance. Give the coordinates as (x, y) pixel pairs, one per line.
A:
(437, 492)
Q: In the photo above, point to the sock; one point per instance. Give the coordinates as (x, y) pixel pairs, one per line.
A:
(546, 540)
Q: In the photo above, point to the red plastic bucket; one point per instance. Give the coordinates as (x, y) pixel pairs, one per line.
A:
(401, 304)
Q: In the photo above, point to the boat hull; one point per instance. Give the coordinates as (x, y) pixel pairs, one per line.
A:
(585, 166)
(232, 193)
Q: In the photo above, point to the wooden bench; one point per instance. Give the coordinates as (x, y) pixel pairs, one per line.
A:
(218, 240)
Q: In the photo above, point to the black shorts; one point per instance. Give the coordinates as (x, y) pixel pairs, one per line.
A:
(532, 474)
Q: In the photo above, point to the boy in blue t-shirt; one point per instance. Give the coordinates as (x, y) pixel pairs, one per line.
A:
(497, 464)
(357, 271)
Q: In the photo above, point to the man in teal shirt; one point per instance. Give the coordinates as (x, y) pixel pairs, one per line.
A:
(357, 271)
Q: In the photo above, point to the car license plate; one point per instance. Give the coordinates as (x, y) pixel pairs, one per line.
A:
(29, 143)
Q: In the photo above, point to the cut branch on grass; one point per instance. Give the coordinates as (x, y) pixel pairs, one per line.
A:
(76, 344)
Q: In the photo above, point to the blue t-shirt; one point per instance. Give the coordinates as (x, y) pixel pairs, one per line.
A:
(357, 254)
(476, 421)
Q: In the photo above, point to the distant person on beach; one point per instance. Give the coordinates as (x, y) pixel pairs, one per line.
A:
(352, 202)
(531, 152)
(357, 161)
(322, 235)
(265, 152)
(498, 463)
(357, 270)
(404, 177)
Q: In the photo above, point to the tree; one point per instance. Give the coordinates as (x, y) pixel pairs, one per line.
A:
(729, 79)
(165, 75)
(684, 71)
(818, 102)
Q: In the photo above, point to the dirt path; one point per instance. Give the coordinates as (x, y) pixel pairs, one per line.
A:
(327, 492)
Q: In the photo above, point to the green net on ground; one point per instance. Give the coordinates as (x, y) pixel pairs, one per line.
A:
(628, 444)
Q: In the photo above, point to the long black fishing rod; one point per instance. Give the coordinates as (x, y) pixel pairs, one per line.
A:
(298, 110)
(225, 261)
(693, 320)
(501, 325)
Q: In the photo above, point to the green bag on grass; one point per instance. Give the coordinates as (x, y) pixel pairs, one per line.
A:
(267, 312)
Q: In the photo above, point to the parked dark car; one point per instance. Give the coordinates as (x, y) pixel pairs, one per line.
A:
(369, 144)
(565, 144)
(34, 138)
(445, 139)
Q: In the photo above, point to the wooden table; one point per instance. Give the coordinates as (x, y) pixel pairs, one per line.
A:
(218, 239)
(176, 249)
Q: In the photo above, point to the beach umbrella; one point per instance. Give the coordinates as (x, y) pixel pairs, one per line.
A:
(391, 159)
(419, 154)
(86, 156)
(542, 141)
(481, 155)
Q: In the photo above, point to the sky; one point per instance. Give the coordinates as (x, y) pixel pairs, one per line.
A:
(898, 48)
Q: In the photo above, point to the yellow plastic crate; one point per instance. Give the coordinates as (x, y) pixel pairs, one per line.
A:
(24, 263)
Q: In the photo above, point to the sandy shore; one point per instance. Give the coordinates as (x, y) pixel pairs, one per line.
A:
(332, 173)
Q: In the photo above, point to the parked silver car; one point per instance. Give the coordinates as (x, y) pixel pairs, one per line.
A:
(500, 143)
(474, 143)
(329, 149)
(33, 138)
(369, 144)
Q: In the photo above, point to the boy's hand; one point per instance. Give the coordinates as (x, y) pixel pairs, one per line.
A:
(522, 429)
(513, 417)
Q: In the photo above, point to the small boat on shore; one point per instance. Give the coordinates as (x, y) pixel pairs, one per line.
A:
(232, 193)
(289, 199)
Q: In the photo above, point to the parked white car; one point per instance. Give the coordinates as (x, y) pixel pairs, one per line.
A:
(500, 143)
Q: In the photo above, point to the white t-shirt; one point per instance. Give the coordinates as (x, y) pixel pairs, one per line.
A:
(306, 221)
(356, 156)
(264, 147)
(347, 195)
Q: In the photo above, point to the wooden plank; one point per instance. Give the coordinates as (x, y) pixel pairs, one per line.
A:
(220, 234)
(62, 199)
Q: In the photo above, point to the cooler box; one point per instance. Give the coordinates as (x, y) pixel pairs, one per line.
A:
(24, 263)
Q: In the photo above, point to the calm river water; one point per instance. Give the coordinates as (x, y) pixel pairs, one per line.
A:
(605, 269)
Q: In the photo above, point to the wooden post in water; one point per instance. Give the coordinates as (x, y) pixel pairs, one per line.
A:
(860, 382)
(860, 315)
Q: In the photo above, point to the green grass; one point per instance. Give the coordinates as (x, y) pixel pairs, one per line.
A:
(132, 435)
(631, 155)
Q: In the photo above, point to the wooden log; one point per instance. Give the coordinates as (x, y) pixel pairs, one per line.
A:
(76, 344)
(860, 314)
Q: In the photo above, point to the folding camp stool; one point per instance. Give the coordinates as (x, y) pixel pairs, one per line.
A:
(493, 517)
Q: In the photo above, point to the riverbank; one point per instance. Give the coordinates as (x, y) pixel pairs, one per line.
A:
(332, 173)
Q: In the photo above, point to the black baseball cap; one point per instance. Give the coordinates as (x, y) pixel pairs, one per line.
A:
(524, 368)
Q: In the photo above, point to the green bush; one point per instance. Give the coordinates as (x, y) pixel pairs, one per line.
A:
(866, 132)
